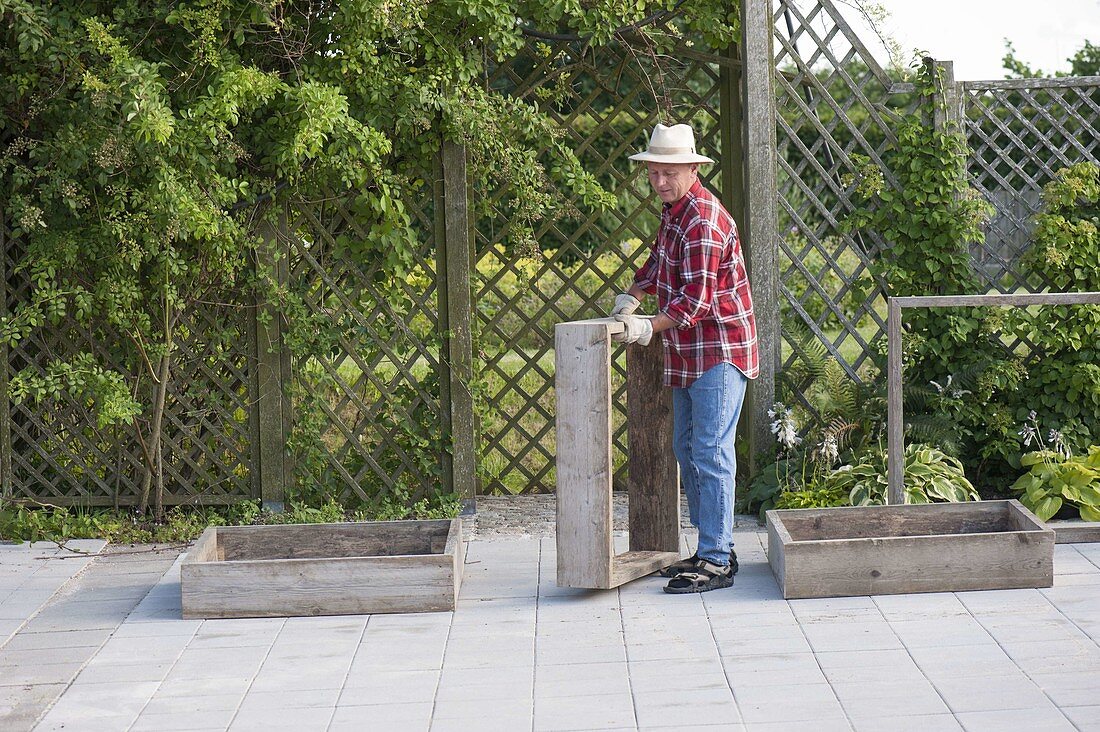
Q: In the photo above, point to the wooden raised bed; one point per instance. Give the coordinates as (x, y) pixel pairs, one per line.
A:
(323, 569)
(882, 550)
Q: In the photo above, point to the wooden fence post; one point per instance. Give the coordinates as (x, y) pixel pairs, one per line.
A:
(733, 179)
(454, 262)
(271, 470)
(5, 400)
(761, 224)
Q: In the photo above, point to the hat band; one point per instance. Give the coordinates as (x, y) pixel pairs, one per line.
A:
(660, 150)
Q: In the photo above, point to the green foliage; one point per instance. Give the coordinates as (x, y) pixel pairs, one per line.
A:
(1054, 478)
(927, 221)
(22, 522)
(136, 139)
(966, 392)
(843, 420)
(930, 475)
(814, 498)
(1067, 230)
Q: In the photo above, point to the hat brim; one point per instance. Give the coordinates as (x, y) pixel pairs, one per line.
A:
(648, 157)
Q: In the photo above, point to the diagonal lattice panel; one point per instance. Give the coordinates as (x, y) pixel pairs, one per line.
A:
(366, 410)
(615, 97)
(832, 105)
(1021, 132)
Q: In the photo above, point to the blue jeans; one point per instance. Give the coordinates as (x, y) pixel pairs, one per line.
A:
(704, 424)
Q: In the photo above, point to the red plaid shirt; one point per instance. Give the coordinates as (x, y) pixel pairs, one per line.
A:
(697, 272)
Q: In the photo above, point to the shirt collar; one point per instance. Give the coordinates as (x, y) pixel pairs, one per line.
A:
(677, 207)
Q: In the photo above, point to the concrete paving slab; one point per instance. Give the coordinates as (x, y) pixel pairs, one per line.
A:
(558, 714)
(1047, 718)
(714, 706)
(922, 723)
(1085, 718)
(889, 697)
(520, 653)
(786, 703)
(297, 719)
(991, 693)
(412, 717)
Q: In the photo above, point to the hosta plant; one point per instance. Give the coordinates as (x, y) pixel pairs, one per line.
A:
(1055, 479)
(930, 476)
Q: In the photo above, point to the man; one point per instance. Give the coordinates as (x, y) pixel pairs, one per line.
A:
(696, 270)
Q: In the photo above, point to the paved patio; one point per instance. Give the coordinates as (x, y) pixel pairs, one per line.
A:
(521, 653)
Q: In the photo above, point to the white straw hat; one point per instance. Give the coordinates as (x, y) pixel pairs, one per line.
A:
(674, 144)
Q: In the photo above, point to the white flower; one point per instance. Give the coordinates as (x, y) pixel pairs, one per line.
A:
(828, 449)
(1058, 442)
(1027, 434)
(784, 427)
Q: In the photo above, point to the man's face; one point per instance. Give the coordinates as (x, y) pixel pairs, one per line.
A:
(672, 181)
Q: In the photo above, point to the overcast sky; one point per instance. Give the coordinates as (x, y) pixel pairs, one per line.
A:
(971, 32)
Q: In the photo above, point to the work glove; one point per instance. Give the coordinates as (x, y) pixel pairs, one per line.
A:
(638, 330)
(625, 305)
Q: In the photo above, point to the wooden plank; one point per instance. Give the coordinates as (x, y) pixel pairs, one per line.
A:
(1067, 82)
(458, 338)
(778, 538)
(362, 539)
(946, 113)
(582, 357)
(1016, 300)
(205, 548)
(455, 548)
(285, 587)
(895, 429)
(761, 224)
(634, 564)
(935, 519)
(1075, 531)
(732, 139)
(1022, 519)
(654, 508)
(443, 322)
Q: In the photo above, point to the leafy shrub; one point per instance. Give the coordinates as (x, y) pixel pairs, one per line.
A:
(930, 476)
(21, 522)
(1054, 479)
(814, 498)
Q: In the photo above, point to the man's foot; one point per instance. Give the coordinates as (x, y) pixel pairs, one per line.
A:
(688, 565)
(703, 577)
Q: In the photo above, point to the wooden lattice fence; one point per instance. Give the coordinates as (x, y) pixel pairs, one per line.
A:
(1021, 132)
(410, 362)
(833, 98)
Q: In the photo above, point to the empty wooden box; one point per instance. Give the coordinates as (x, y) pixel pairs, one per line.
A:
(880, 550)
(323, 569)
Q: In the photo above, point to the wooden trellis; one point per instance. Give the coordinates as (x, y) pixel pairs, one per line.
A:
(832, 96)
(240, 399)
(1021, 132)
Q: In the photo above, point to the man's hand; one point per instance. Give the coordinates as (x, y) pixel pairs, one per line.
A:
(625, 304)
(638, 329)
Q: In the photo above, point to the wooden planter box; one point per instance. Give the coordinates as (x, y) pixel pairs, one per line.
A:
(883, 550)
(323, 569)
